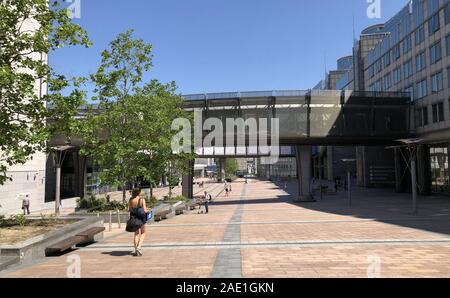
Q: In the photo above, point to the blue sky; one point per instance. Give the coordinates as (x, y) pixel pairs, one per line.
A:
(227, 45)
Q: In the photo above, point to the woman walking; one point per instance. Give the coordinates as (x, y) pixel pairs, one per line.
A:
(138, 215)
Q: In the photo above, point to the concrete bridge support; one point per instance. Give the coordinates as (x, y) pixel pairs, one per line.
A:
(221, 164)
(188, 181)
(304, 173)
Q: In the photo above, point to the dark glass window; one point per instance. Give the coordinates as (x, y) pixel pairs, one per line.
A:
(447, 13)
(436, 82)
(407, 45)
(435, 52)
(438, 112)
(420, 61)
(421, 89)
(434, 24)
(408, 69)
(419, 35)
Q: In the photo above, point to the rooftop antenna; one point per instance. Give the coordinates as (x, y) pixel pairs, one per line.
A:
(325, 67)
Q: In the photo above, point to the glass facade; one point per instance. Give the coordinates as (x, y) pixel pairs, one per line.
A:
(439, 169)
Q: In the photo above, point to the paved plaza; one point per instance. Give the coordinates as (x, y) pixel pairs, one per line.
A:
(258, 231)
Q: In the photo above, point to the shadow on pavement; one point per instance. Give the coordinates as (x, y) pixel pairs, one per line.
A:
(383, 205)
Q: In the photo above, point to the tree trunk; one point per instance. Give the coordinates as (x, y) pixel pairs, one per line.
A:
(124, 193)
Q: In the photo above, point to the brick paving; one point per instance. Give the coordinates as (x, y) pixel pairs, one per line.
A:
(258, 231)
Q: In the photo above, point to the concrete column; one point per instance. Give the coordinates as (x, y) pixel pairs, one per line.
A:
(188, 182)
(221, 169)
(80, 175)
(424, 169)
(329, 165)
(304, 169)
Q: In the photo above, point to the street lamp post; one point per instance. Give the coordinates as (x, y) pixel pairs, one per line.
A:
(60, 154)
(349, 180)
(412, 144)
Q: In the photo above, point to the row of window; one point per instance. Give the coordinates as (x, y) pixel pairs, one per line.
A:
(421, 87)
(435, 55)
(419, 36)
(437, 113)
(403, 29)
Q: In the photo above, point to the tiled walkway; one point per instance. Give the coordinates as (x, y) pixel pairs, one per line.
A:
(259, 232)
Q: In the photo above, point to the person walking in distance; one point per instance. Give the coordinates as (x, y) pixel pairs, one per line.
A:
(207, 200)
(226, 189)
(26, 205)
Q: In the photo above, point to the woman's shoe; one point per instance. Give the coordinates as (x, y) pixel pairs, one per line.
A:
(139, 252)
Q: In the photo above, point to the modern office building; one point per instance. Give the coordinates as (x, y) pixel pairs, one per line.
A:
(412, 54)
(327, 160)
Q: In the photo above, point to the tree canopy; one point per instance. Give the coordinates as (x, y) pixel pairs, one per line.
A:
(29, 31)
(130, 138)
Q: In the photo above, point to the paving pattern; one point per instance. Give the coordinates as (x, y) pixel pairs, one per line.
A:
(258, 231)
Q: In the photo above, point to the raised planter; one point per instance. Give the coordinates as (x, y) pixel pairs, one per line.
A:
(34, 248)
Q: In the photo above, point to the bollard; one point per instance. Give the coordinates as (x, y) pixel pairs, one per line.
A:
(118, 219)
(110, 221)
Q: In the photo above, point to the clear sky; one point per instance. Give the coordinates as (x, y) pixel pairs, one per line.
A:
(227, 45)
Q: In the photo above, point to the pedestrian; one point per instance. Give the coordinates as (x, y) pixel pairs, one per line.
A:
(26, 205)
(226, 189)
(208, 198)
(138, 219)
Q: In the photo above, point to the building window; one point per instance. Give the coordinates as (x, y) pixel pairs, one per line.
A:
(433, 6)
(418, 12)
(435, 52)
(448, 77)
(406, 25)
(397, 75)
(422, 117)
(420, 35)
(396, 52)
(421, 89)
(447, 42)
(434, 24)
(408, 69)
(447, 13)
(420, 61)
(387, 59)
(407, 45)
(371, 72)
(377, 66)
(387, 82)
(438, 112)
(436, 82)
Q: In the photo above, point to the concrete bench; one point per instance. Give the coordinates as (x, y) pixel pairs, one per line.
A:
(179, 208)
(66, 244)
(192, 204)
(162, 212)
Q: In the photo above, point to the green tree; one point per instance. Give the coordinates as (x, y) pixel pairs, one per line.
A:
(131, 137)
(231, 167)
(29, 31)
